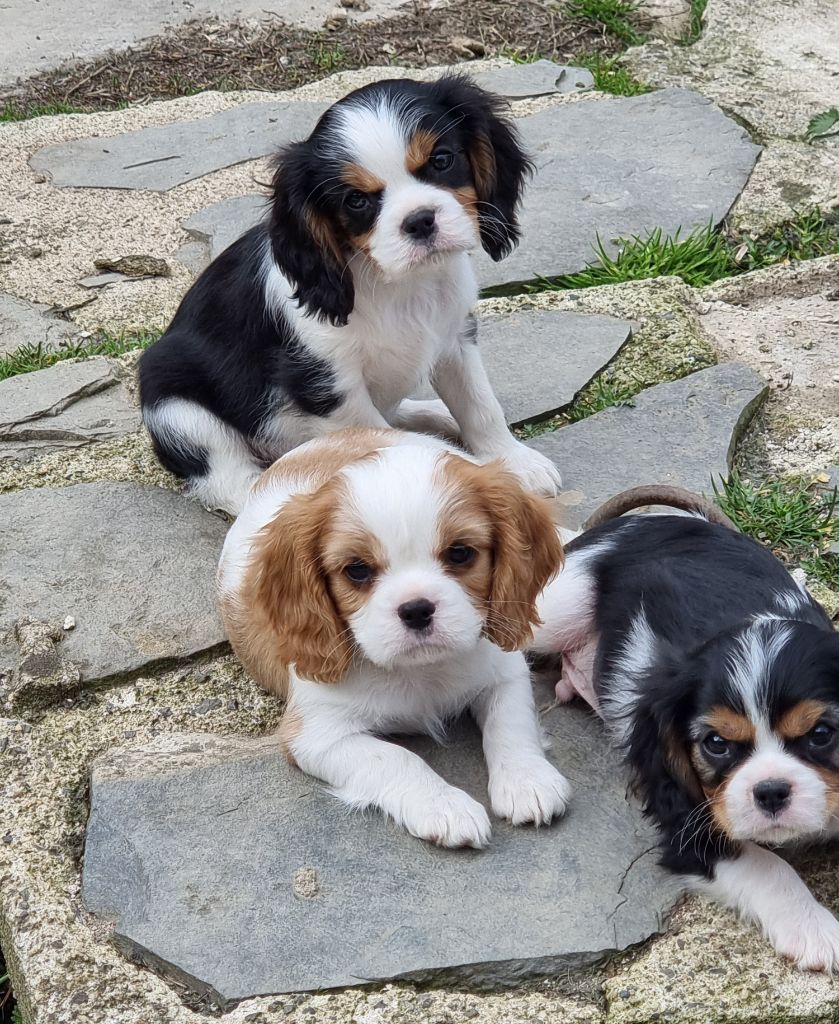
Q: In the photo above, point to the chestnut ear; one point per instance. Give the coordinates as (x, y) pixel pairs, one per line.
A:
(499, 164)
(303, 241)
(527, 553)
(291, 591)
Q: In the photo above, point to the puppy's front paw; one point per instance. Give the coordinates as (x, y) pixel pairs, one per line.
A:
(532, 792)
(451, 818)
(536, 472)
(810, 939)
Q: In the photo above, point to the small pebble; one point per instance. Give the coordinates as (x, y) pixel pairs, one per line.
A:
(69, 623)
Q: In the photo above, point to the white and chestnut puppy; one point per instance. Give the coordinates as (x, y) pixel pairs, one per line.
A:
(384, 584)
(719, 675)
(354, 293)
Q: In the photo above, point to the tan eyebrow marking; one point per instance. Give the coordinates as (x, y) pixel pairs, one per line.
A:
(359, 177)
(800, 718)
(731, 725)
(420, 147)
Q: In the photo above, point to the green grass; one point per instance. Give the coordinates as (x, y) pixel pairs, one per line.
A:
(611, 76)
(600, 394)
(793, 517)
(703, 256)
(697, 9)
(11, 111)
(327, 56)
(38, 357)
(616, 16)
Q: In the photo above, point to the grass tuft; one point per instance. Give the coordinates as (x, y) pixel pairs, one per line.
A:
(28, 358)
(793, 517)
(703, 256)
(11, 111)
(697, 10)
(611, 76)
(602, 394)
(615, 16)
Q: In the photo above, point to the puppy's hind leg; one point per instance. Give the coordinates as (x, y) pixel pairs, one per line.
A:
(426, 416)
(191, 442)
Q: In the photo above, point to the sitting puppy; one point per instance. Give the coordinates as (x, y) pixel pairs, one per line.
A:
(383, 583)
(720, 676)
(355, 292)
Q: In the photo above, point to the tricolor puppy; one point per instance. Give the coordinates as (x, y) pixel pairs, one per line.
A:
(354, 293)
(720, 676)
(384, 584)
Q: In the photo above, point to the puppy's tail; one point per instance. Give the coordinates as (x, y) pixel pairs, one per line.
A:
(658, 494)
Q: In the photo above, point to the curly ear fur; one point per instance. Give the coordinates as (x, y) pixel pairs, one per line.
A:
(527, 552)
(657, 750)
(303, 242)
(499, 164)
(287, 593)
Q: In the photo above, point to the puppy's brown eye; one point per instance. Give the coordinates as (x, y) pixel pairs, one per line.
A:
(459, 554)
(441, 160)
(822, 735)
(357, 201)
(358, 572)
(715, 745)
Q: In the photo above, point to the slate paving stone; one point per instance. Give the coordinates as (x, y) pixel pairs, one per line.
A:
(237, 875)
(64, 406)
(541, 78)
(537, 359)
(25, 323)
(219, 225)
(161, 157)
(133, 565)
(681, 433)
(610, 169)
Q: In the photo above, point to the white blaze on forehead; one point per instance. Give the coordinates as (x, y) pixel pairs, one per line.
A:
(395, 497)
(376, 135)
(751, 662)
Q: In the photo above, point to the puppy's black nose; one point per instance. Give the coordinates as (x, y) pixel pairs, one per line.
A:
(416, 614)
(419, 225)
(772, 795)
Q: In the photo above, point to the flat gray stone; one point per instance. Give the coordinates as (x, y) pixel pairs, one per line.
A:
(610, 169)
(236, 875)
(161, 157)
(541, 78)
(25, 323)
(683, 433)
(539, 359)
(134, 565)
(101, 280)
(31, 396)
(617, 168)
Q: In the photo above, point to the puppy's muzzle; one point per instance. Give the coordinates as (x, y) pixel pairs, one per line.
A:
(772, 796)
(421, 225)
(417, 615)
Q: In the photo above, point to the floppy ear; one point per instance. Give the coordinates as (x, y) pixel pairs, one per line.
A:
(304, 244)
(290, 590)
(658, 752)
(527, 553)
(499, 164)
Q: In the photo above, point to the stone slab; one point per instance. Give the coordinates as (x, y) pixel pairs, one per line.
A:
(610, 169)
(134, 565)
(541, 78)
(220, 224)
(682, 433)
(161, 157)
(236, 875)
(31, 396)
(25, 323)
(538, 360)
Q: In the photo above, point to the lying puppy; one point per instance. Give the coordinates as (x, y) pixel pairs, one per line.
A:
(382, 583)
(720, 676)
(355, 292)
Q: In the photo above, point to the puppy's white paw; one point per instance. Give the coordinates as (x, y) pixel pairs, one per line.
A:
(530, 792)
(536, 472)
(810, 939)
(451, 818)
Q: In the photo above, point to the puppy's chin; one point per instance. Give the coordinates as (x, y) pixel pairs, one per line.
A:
(401, 648)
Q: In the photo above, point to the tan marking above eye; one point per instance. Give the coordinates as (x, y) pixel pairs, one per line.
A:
(730, 724)
(359, 177)
(798, 720)
(420, 147)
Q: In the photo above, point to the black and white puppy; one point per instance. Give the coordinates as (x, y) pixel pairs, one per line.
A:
(720, 676)
(354, 293)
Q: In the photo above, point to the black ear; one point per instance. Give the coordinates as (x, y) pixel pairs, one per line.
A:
(657, 750)
(499, 164)
(304, 242)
